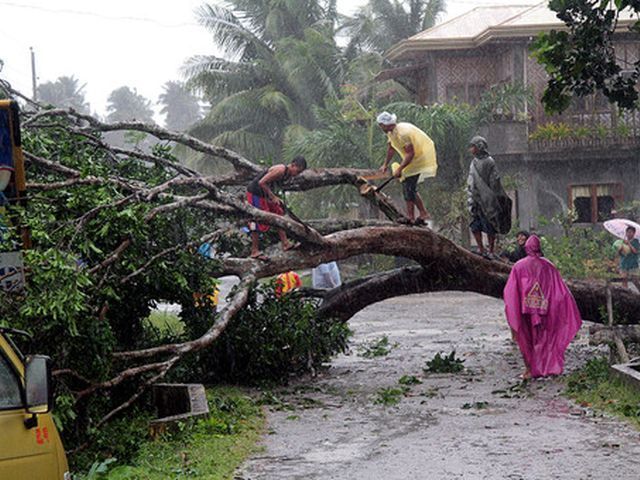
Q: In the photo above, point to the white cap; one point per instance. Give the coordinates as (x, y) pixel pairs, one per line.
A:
(386, 118)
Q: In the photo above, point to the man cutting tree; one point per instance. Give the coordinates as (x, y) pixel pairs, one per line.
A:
(419, 161)
(260, 194)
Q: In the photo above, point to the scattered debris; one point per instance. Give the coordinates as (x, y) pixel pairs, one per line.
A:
(390, 396)
(444, 363)
(377, 348)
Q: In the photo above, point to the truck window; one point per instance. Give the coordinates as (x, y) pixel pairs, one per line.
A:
(9, 387)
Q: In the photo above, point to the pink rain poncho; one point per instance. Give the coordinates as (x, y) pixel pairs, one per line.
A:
(541, 310)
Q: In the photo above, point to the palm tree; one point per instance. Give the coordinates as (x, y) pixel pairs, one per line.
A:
(380, 24)
(64, 92)
(179, 105)
(125, 104)
(279, 59)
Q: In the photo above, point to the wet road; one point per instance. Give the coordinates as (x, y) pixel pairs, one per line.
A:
(479, 424)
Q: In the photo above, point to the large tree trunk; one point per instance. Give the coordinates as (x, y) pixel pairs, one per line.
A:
(607, 334)
(486, 278)
(443, 266)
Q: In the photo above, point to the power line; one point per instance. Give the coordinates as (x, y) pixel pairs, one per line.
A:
(101, 16)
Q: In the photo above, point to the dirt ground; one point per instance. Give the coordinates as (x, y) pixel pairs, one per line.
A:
(478, 424)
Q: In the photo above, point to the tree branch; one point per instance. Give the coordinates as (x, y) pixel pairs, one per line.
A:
(238, 300)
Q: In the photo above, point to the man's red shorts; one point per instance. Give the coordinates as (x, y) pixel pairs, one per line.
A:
(264, 205)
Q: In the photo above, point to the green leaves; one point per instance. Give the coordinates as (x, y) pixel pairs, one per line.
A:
(270, 339)
(442, 363)
(78, 308)
(584, 59)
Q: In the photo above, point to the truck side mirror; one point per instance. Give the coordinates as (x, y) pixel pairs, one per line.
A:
(38, 384)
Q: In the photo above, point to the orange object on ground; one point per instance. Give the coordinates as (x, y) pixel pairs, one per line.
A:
(286, 282)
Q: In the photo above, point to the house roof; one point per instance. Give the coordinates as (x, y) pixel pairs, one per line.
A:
(470, 24)
(478, 26)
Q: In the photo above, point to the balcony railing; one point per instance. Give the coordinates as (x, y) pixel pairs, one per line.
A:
(571, 143)
(585, 131)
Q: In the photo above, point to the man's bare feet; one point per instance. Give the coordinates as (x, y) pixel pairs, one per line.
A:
(526, 375)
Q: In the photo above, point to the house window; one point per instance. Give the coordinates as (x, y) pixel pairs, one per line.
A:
(594, 203)
(465, 93)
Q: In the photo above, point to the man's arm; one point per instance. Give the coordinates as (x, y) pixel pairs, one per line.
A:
(409, 153)
(630, 243)
(274, 174)
(390, 153)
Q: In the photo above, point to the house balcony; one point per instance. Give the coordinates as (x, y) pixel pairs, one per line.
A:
(591, 143)
(567, 134)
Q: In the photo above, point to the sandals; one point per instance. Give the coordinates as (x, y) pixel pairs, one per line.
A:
(261, 256)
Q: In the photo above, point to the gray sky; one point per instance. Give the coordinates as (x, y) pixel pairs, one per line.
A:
(110, 43)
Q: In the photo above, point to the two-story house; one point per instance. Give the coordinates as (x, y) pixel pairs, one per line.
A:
(586, 160)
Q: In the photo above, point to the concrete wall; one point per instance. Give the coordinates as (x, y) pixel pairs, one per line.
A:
(506, 137)
(544, 179)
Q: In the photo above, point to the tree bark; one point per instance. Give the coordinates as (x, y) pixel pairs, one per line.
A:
(599, 334)
(486, 278)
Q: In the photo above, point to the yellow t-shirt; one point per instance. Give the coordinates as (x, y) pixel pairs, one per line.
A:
(424, 162)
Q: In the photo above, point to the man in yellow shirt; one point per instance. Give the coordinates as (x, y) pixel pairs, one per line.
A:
(419, 161)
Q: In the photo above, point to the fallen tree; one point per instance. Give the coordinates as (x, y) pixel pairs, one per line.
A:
(121, 226)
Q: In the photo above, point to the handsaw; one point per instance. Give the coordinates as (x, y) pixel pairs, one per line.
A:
(368, 187)
(377, 175)
(383, 184)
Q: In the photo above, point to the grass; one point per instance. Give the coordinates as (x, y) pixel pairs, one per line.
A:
(166, 323)
(593, 386)
(210, 448)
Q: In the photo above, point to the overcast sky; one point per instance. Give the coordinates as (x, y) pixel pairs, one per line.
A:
(110, 43)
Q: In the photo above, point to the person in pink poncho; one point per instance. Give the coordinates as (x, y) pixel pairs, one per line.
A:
(541, 312)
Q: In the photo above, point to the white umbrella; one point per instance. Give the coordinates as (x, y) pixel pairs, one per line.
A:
(618, 227)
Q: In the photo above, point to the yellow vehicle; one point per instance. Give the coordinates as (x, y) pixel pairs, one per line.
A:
(30, 447)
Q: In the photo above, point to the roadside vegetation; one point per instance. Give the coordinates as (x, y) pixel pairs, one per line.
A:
(593, 386)
(209, 448)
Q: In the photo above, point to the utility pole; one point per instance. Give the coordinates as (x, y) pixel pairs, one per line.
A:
(33, 73)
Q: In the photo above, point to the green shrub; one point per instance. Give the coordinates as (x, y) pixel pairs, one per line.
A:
(580, 252)
(270, 339)
(587, 379)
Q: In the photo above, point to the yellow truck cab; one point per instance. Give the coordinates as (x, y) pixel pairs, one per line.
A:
(30, 447)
